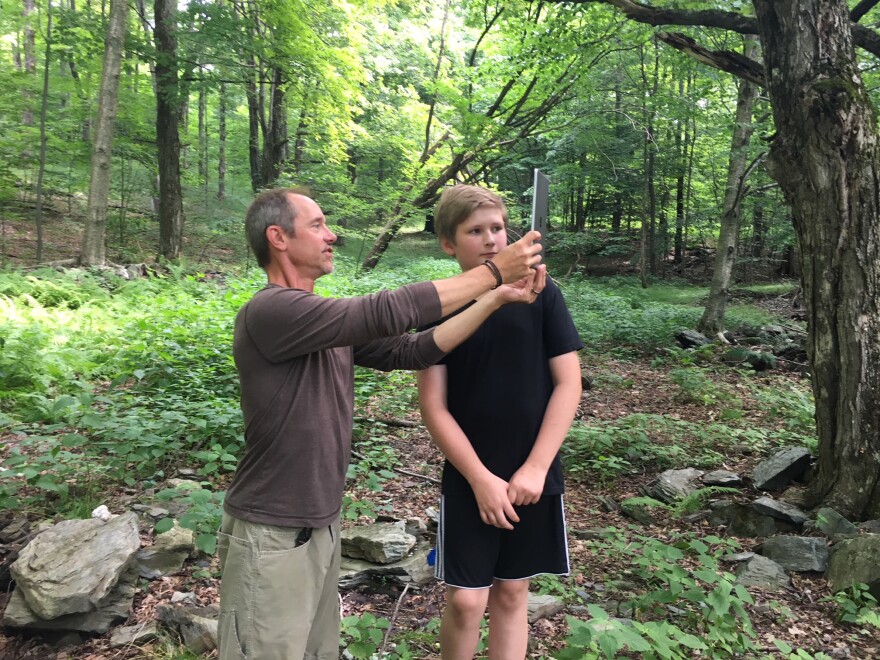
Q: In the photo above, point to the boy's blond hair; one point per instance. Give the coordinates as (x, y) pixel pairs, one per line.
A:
(456, 205)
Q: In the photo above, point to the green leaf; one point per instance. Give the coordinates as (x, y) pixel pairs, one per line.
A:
(207, 543)
(164, 525)
(782, 646)
(48, 482)
(61, 403)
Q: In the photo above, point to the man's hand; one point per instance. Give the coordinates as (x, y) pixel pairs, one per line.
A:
(525, 290)
(517, 259)
(495, 507)
(526, 485)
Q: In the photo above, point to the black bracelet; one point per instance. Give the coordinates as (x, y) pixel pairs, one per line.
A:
(494, 270)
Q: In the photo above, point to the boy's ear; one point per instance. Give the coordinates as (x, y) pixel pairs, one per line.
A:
(448, 246)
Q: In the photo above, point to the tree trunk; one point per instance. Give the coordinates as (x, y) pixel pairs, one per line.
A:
(167, 132)
(275, 136)
(825, 158)
(44, 102)
(203, 130)
(30, 59)
(93, 245)
(221, 153)
(760, 227)
(254, 122)
(712, 321)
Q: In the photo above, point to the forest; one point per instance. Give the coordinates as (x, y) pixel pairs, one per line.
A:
(714, 205)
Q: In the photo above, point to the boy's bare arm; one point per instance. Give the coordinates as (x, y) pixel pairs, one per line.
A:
(490, 491)
(527, 483)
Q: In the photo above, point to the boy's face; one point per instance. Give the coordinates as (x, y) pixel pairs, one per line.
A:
(481, 236)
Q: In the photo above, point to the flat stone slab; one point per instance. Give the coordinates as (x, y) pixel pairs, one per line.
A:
(780, 510)
(797, 553)
(780, 469)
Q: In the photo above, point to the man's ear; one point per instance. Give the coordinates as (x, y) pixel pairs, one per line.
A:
(276, 237)
(447, 246)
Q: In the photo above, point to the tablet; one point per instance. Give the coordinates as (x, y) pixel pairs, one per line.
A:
(540, 203)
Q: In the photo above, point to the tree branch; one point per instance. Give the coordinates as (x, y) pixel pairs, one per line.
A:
(861, 9)
(727, 60)
(863, 37)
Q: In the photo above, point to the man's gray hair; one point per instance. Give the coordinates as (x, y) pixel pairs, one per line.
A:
(270, 207)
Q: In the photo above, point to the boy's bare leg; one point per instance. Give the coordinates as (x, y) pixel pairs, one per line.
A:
(460, 627)
(508, 620)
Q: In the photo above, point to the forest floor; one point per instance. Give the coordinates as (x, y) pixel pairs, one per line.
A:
(802, 616)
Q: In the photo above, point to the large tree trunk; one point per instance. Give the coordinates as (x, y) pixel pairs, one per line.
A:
(167, 133)
(712, 321)
(93, 245)
(825, 158)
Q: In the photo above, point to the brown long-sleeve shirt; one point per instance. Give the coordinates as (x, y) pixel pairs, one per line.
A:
(295, 353)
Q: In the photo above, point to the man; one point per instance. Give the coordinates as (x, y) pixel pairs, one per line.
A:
(295, 353)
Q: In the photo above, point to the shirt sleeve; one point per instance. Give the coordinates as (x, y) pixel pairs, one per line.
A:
(409, 351)
(286, 323)
(560, 334)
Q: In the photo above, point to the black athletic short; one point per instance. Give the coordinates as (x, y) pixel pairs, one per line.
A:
(471, 554)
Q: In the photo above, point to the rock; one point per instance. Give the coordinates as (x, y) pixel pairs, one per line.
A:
(721, 478)
(744, 520)
(763, 573)
(833, 524)
(780, 510)
(870, 526)
(786, 465)
(737, 557)
(691, 339)
(380, 543)
(758, 360)
(588, 534)
(74, 565)
(197, 625)
(773, 330)
(796, 496)
(115, 607)
(853, 561)
(15, 530)
(673, 485)
(167, 554)
(797, 553)
(543, 606)
(413, 569)
(187, 598)
(134, 635)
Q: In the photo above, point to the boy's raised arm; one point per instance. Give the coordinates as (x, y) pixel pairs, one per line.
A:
(513, 263)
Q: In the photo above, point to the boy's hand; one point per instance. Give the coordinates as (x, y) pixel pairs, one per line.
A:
(516, 260)
(525, 290)
(495, 507)
(526, 485)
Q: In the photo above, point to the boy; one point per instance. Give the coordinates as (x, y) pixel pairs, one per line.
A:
(498, 407)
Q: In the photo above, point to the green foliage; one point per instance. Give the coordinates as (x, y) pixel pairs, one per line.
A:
(710, 607)
(203, 514)
(696, 500)
(604, 450)
(791, 654)
(856, 606)
(605, 314)
(364, 634)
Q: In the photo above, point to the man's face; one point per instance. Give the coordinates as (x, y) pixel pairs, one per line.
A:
(481, 236)
(310, 250)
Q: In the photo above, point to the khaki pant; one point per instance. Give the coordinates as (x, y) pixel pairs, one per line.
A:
(278, 601)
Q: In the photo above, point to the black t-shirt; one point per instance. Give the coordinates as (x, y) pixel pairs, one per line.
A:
(499, 384)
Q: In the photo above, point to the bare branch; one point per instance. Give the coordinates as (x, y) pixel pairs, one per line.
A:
(726, 60)
(861, 9)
